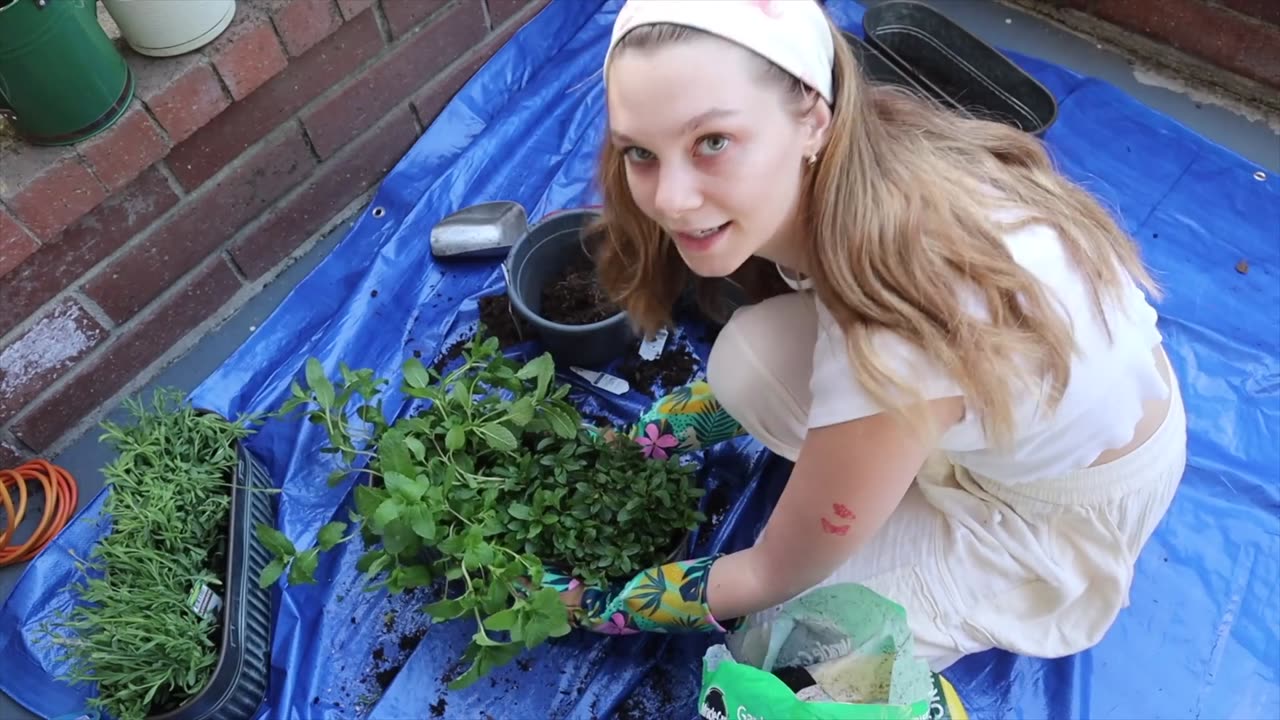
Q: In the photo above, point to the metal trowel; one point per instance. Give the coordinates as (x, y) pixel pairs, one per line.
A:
(484, 230)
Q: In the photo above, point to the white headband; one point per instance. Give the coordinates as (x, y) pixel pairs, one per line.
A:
(793, 34)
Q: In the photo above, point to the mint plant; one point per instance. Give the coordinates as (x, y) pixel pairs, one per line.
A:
(495, 479)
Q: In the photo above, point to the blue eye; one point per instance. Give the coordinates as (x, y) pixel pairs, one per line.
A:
(638, 154)
(713, 144)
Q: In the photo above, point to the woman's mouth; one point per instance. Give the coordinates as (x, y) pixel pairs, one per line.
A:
(702, 239)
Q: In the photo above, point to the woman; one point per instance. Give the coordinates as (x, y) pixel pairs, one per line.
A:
(964, 369)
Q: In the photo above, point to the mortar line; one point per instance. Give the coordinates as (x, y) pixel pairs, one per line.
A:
(95, 311)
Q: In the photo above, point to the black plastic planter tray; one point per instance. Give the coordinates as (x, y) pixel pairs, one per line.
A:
(239, 682)
(880, 70)
(536, 258)
(939, 53)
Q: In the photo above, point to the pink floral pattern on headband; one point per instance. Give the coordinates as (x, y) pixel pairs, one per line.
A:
(768, 7)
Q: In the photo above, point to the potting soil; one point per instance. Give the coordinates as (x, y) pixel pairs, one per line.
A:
(1206, 592)
(573, 296)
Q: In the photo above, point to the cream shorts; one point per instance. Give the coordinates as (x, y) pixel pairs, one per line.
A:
(1042, 569)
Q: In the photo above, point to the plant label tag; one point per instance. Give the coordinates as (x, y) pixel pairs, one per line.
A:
(506, 275)
(651, 349)
(604, 381)
(204, 601)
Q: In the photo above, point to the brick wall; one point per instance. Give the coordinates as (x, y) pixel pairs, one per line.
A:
(117, 253)
(1240, 36)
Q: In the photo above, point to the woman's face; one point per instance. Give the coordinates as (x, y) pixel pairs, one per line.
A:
(714, 153)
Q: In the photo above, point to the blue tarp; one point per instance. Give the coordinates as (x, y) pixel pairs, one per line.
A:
(1199, 640)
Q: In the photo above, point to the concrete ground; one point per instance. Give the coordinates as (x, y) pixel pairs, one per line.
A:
(1001, 26)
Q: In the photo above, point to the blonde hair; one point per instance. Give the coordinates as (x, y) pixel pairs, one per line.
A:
(897, 215)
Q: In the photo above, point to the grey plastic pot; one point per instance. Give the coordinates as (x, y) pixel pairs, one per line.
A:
(533, 261)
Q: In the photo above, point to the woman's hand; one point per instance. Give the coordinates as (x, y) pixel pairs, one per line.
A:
(670, 598)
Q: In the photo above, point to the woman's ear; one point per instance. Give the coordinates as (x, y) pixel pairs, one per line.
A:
(817, 123)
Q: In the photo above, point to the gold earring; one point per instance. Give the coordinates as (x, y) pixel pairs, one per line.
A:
(813, 158)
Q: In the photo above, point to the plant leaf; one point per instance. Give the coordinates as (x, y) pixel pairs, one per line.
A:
(455, 439)
(448, 609)
(521, 411)
(271, 573)
(368, 499)
(303, 569)
(543, 368)
(416, 374)
(498, 437)
(561, 425)
(389, 510)
(275, 541)
(404, 487)
(330, 535)
(423, 522)
(519, 510)
(319, 383)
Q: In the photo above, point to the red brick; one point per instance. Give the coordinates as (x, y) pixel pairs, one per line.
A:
(403, 15)
(202, 295)
(303, 23)
(121, 154)
(44, 352)
(16, 244)
(354, 170)
(48, 189)
(352, 8)
(371, 96)
(198, 158)
(1222, 37)
(182, 100)
(86, 243)
(431, 99)
(249, 57)
(1264, 10)
(501, 11)
(200, 227)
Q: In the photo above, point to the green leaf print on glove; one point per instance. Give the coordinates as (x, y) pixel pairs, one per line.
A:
(686, 420)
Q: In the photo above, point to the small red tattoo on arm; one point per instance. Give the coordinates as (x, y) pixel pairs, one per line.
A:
(830, 529)
(844, 512)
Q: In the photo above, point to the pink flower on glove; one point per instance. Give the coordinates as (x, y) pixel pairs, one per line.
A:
(615, 625)
(655, 443)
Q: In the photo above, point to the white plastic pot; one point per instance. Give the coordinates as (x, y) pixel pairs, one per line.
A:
(163, 28)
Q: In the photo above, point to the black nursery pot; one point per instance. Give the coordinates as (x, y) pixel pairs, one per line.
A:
(534, 261)
(239, 682)
(943, 57)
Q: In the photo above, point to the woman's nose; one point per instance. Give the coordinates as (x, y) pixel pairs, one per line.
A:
(677, 192)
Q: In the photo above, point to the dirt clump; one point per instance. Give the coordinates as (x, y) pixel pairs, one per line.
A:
(670, 370)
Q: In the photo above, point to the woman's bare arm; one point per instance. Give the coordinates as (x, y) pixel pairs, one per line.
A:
(847, 481)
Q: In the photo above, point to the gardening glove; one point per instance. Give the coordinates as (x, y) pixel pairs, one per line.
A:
(670, 598)
(686, 420)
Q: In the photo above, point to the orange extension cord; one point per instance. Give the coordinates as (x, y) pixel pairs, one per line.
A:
(61, 495)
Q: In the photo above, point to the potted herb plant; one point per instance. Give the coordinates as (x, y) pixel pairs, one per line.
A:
(494, 479)
(170, 623)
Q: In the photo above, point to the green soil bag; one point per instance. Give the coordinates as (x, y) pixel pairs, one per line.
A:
(841, 652)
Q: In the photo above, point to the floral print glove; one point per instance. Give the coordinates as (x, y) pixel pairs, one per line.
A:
(687, 420)
(670, 598)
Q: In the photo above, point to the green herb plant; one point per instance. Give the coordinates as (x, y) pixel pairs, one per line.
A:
(495, 480)
(135, 632)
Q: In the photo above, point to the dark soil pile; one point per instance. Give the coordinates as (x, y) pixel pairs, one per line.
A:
(499, 321)
(574, 298)
(670, 370)
(502, 322)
